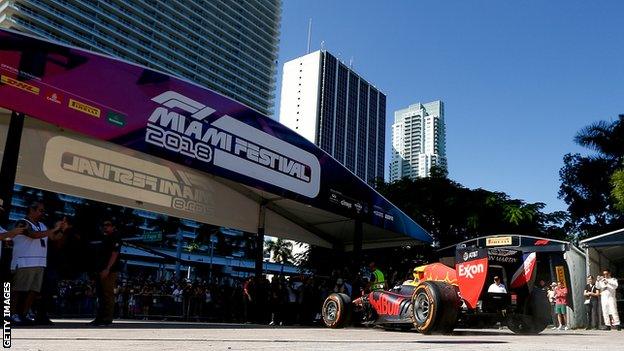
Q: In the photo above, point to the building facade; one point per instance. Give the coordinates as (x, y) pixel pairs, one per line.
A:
(418, 141)
(329, 104)
(227, 46)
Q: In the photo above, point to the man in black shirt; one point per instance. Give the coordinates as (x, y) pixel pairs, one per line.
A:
(107, 250)
(591, 294)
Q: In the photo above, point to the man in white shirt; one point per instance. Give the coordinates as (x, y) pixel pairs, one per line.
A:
(497, 287)
(608, 286)
(30, 251)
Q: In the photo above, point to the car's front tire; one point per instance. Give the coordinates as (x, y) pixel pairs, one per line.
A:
(336, 310)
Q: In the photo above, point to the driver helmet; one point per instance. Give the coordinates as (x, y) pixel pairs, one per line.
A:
(418, 273)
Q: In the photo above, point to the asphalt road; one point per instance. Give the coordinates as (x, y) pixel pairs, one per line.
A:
(70, 335)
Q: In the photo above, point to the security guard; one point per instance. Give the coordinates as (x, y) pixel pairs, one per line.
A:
(107, 252)
(378, 281)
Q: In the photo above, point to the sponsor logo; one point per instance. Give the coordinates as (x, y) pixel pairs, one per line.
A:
(84, 108)
(19, 84)
(503, 256)
(503, 259)
(498, 241)
(385, 305)
(180, 125)
(469, 255)
(338, 198)
(502, 252)
(470, 270)
(54, 97)
(116, 118)
(79, 164)
(471, 279)
(358, 207)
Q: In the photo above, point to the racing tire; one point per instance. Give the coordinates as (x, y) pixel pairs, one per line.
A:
(336, 310)
(535, 316)
(434, 308)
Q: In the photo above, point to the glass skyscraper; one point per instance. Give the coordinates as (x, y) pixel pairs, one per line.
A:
(418, 141)
(329, 104)
(227, 46)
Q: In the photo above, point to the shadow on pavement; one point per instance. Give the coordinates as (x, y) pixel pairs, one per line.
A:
(452, 342)
(136, 324)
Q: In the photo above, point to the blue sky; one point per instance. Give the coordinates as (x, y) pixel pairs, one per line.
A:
(518, 79)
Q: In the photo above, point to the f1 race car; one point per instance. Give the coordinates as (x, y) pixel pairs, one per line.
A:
(442, 297)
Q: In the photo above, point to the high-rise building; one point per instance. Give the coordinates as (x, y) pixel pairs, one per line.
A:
(329, 104)
(227, 46)
(418, 141)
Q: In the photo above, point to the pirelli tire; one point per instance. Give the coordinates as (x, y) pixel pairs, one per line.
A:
(434, 308)
(534, 316)
(336, 310)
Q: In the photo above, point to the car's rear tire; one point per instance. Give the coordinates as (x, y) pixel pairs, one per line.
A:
(336, 310)
(434, 308)
(535, 317)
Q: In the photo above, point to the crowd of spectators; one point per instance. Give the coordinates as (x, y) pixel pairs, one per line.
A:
(279, 300)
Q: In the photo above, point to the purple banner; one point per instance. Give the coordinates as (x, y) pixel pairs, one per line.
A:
(155, 113)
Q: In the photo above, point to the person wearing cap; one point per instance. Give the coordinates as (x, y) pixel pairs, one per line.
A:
(107, 249)
(551, 299)
(497, 287)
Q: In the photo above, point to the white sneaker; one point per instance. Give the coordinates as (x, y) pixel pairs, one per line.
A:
(560, 327)
(565, 328)
(553, 328)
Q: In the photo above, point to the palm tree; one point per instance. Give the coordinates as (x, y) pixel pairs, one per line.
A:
(607, 138)
(280, 250)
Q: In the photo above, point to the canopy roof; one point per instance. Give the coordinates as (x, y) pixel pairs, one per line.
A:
(609, 245)
(105, 129)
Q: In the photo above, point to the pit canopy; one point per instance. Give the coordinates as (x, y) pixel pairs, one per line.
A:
(605, 251)
(104, 129)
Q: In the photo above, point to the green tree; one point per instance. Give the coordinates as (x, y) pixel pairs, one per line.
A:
(453, 213)
(587, 183)
(617, 182)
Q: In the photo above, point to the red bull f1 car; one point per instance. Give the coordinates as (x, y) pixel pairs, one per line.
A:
(443, 298)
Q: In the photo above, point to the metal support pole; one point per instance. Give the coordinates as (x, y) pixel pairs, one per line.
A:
(211, 255)
(178, 253)
(260, 241)
(358, 237)
(10, 157)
